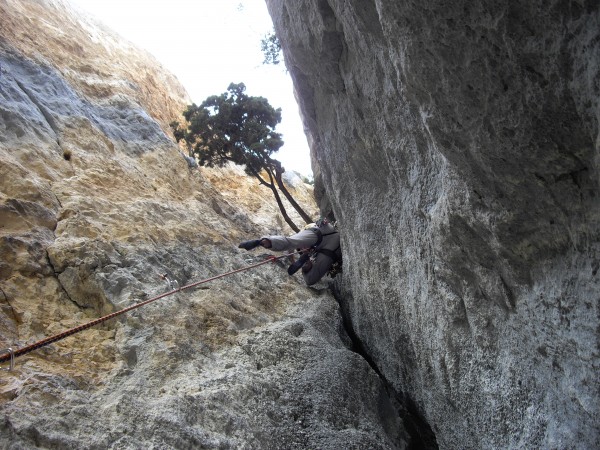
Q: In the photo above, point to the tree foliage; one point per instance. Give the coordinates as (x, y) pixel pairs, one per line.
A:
(271, 48)
(238, 128)
(232, 127)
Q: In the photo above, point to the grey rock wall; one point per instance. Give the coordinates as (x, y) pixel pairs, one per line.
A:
(457, 145)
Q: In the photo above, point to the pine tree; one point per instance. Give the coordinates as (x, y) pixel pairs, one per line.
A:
(239, 128)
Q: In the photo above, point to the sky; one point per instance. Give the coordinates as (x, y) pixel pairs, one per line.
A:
(208, 44)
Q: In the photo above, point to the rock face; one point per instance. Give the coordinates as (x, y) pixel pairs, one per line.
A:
(96, 203)
(457, 145)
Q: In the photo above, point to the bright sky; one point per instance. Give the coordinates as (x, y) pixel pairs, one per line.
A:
(208, 44)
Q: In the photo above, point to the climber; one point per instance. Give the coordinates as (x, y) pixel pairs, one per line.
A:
(319, 244)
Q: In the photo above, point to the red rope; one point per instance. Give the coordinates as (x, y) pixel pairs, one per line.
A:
(57, 337)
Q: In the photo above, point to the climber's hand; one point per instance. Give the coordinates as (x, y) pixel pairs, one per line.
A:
(249, 245)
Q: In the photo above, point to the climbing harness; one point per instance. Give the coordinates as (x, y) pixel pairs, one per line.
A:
(314, 250)
(10, 354)
(320, 235)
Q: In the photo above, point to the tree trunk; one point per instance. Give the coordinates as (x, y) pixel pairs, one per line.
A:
(284, 213)
(287, 218)
(282, 188)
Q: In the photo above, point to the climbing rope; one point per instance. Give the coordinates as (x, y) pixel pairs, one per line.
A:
(11, 354)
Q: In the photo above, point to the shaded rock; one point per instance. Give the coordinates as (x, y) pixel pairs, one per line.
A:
(457, 146)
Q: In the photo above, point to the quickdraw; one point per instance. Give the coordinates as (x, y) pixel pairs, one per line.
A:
(172, 284)
(11, 352)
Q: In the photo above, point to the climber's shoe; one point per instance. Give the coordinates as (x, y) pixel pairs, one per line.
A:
(249, 245)
(298, 264)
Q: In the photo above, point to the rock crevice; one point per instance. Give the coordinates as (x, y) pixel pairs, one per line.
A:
(420, 434)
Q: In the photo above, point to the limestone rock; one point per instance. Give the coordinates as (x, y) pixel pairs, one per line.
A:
(456, 143)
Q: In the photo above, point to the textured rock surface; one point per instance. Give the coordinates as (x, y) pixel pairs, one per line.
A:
(457, 144)
(95, 203)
